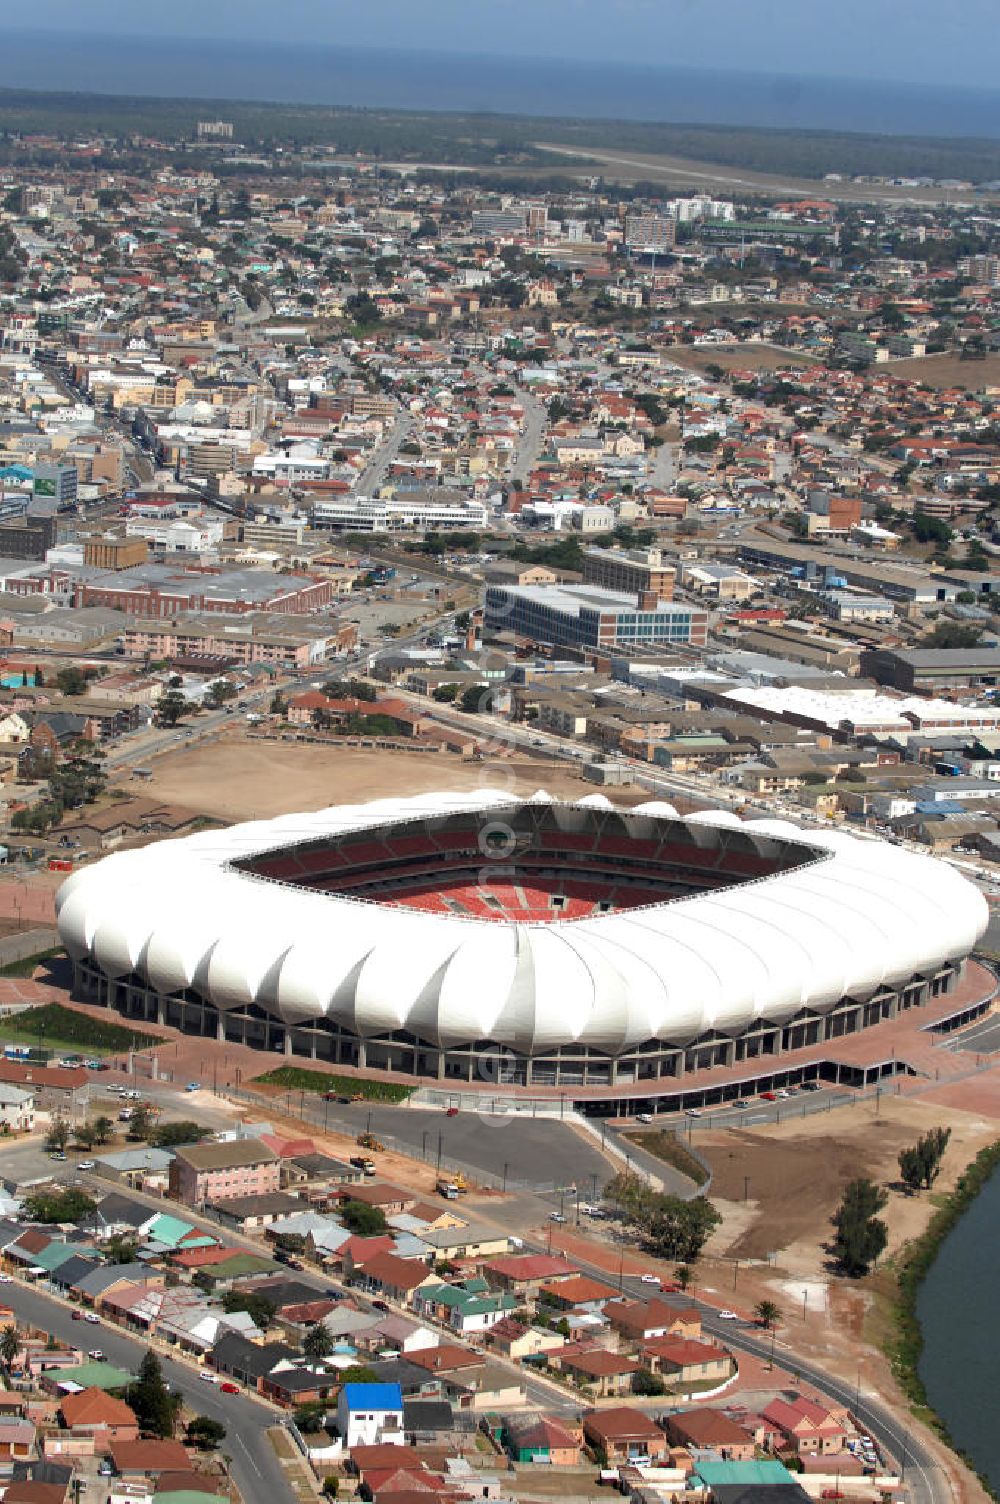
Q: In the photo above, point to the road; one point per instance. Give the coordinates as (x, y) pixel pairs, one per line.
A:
(927, 1482)
(531, 440)
(375, 471)
(255, 1468)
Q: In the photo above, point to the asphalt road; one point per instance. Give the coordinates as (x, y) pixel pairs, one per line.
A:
(535, 1153)
(254, 1466)
(925, 1479)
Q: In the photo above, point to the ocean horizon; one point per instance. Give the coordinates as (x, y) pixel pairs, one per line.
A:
(385, 78)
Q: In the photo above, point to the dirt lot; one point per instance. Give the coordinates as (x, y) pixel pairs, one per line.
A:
(239, 778)
(742, 357)
(793, 1175)
(947, 370)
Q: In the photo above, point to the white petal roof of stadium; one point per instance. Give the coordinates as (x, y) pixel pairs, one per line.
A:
(863, 915)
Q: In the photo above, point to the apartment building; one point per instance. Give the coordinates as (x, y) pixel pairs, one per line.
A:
(585, 617)
(202, 1173)
(629, 569)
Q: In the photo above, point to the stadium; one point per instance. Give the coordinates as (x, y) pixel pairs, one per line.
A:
(480, 938)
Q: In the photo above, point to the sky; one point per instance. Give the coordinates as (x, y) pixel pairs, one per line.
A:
(917, 41)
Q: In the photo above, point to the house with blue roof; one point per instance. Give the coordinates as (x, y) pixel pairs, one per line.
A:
(368, 1414)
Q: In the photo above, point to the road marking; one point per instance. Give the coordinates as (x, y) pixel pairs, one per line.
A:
(241, 1443)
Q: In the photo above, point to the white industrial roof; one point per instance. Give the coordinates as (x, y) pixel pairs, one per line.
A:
(865, 913)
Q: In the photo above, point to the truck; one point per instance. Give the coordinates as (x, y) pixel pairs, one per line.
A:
(448, 1189)
(363, 1163)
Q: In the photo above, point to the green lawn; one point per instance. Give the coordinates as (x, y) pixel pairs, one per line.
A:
(294, 1078)
(26, 966)
(56, 1028)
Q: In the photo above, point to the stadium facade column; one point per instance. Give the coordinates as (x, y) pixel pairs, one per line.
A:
(220, 1028)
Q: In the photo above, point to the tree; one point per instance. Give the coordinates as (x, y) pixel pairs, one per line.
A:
(920, 1165)
(155, 1407)
(362, 1219)
(205, 1433)
(279, 705)
(317, 1342)
(310, 1416)
(10, 1346)
(59, 1206)
(79, 779)
(218, 692)
(57, 1136)
(170, 1135)
(171, 707)
(861, 1235)
(684, 1276)
(104, 1130)
(141, 1123)
(767, 1314)
(260, 1310)
(71, 681)
(645, 1382)
(121, 1249)
(85, 1136)
(477, 699)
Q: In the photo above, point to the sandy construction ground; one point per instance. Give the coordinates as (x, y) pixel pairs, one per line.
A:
(946, 370)
(238, 778)
(792, 1174)
(742, 357)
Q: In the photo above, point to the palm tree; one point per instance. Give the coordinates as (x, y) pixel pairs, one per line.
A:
(767, 1314)
(10, 1346)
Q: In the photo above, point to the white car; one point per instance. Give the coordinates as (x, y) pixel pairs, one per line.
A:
(649, 1279)
(93, 1318)
(85, 1164)
(644, 1117)
(728, 1316)
(6, 1279)
(208, 1376)
(693, 1112)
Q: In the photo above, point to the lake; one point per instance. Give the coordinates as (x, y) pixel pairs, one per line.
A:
(960, 1320)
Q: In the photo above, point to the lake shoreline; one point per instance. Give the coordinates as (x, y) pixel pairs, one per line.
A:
(914, 1263)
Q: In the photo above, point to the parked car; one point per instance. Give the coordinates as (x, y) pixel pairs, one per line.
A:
(93, 1318)
(208, 1376)
(650, 1279)
(228, 1388)
(193, 1086)
(810, 1086)
(644, 1117)
(96, 1355)
(77, 1315)
(769, 1096)
(85, 1164)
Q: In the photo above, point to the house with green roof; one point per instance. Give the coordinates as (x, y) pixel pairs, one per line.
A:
(468, 1307)
(238, 1267)
(93, 1375)
(756, 1474)
(164, 1233)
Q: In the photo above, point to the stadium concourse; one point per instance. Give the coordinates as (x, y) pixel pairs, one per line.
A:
(484, 939)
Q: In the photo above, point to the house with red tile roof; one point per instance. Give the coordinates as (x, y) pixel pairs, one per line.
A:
(624, 1435)
(91, 1412)
(807, 1426)
(395, 1278)
(684, 1361)
(607, 1374)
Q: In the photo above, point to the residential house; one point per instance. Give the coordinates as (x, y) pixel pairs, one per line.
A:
(17, 1439)
(538, 1438)
(682, 1361)
(806, 1426)
(609, 1374)
(517, 1341)
(708, 1429)
(395, 1278)
(624, 1435)
(524, 1274)
(102, 1417)
(369, 1414)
